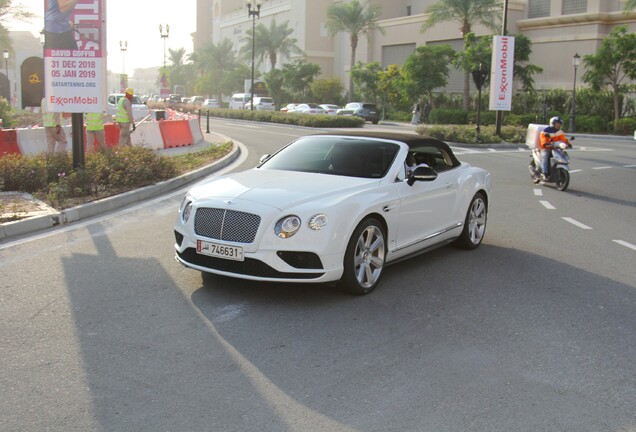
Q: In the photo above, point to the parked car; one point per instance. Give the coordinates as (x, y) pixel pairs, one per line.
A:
(288, 107)
(369, 112)
(308, 108)
(261, 104)
(238, 100)
(140, 110)
(210, 103)
(197, 100)
(330, 109)
(333, 207)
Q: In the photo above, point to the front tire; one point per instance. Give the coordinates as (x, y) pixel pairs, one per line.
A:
(364, 258)
(563, 179)
(474, 224)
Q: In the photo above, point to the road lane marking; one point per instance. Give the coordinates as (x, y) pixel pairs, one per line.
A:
(538, 192)
(575, 171)
(626, 244)
(576, 223)
(602, 167)
(630, 166)
(547, 205)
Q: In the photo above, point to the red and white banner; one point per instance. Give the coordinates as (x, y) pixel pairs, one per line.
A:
(503, 59)
(75, 55)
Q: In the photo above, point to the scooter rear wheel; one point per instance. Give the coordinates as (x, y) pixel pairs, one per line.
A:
(533, 173)
(562, 179)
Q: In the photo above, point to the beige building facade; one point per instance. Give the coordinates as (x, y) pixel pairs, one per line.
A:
(558, 29)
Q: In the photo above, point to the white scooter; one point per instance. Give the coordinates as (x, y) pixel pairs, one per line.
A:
(559, 165)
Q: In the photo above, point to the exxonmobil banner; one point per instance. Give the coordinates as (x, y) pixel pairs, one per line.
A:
(75, 55)
(503, 56)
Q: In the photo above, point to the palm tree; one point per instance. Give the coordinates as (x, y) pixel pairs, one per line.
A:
(10, 13)
(467, 13)
(215, 57)
(270, 42)
(217, 62)
(355, 19)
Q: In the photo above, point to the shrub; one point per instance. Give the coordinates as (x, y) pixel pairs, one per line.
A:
(308, 120)
(468, 134)
(590, 124)
(52, 176)
(625, 126)
(448, 116)
(6, 113)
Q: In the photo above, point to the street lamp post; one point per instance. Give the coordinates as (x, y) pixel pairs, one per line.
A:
(164, 36)
(254, 13)
(576, 61)
(479, 76)
(5, 54)
(123, 46)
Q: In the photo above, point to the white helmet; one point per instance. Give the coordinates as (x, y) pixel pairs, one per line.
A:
(555, 119)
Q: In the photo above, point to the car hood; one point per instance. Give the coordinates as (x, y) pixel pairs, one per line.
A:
(280, 189)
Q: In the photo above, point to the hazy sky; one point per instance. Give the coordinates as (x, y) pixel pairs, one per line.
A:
(135, 21)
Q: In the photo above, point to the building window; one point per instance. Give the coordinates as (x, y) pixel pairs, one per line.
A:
(574, 7)
(396, 54)
(538, 8)
(408, 11)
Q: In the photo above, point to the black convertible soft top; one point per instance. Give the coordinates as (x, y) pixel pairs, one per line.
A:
(413, 141)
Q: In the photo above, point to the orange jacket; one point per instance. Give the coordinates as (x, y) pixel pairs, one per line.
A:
(545, 141)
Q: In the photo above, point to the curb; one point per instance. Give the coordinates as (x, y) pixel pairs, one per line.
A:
(36, 223)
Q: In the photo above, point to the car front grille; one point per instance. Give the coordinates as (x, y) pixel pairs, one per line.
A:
(227, 225)
(250, 267)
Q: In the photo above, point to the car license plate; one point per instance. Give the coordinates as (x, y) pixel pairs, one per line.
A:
(220, 251)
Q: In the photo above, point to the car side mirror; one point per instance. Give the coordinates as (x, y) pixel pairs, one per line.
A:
(421, 174)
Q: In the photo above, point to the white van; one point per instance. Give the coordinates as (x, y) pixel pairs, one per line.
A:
(239, 100)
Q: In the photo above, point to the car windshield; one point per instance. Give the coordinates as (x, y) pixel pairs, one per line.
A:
(346, 156)
(313, 105)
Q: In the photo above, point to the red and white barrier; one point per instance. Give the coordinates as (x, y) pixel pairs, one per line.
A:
(184, 130)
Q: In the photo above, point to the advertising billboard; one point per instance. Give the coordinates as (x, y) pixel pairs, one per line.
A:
(75, 55)
(503, 56)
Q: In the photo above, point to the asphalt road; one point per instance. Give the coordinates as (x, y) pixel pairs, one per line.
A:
(536, 330)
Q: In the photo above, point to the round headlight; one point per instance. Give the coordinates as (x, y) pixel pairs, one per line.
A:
(187, 211)
(287, 226)
(317, 222)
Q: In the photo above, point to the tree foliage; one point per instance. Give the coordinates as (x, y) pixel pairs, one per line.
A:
(478, 53)
(356, 19)
(427, 69)
(11, 13)
(298, 76)
(366, 77)
(270, 43)
(612, 65)
(218, 69)
(467, 13)
(327, 90)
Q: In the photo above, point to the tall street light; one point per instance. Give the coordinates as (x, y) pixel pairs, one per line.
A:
(164, 36)
(5, 54)
(254, 13)
(123, 46)
(576, 61)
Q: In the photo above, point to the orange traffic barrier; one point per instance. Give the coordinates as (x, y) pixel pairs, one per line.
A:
(112, 134)
(175, 133)
(9, 142)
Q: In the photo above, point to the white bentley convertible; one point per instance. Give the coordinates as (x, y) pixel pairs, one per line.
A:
(333, 207)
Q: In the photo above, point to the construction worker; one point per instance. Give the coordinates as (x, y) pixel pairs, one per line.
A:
(124, 117)
(95, 129)
(55, 136)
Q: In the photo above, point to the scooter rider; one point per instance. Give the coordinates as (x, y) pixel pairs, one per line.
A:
(549, 135)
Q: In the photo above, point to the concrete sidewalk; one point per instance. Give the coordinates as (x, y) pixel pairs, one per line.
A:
(40, 216)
